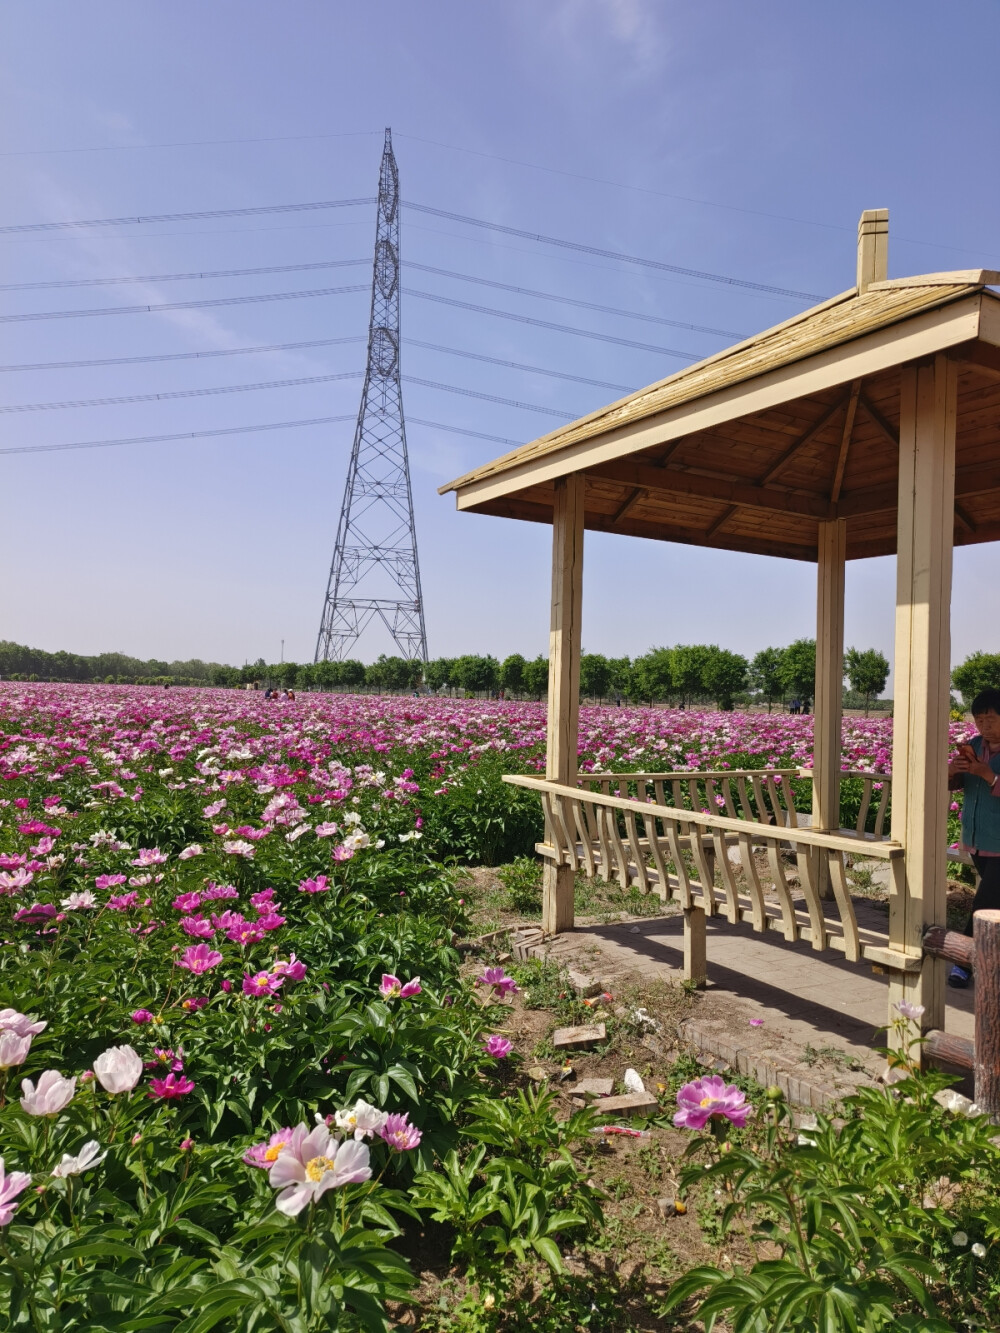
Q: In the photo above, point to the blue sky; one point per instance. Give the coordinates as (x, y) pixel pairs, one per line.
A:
(740, 140)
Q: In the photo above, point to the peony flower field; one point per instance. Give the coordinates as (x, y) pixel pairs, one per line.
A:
(239, 1062)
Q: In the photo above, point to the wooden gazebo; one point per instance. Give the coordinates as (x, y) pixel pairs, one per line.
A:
(869, 425)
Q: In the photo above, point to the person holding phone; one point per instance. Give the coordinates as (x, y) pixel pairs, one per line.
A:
(975, 770)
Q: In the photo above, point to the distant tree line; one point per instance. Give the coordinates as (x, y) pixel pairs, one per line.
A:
(686, 674)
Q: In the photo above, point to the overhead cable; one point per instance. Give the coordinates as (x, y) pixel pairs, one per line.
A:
(613, 254)
(133, 221)
(571, 300)
(185, 305)
(490, 398)
(238, 430)
(181, 277)
(181, 356)
(546, 324)
(185, 393)
(518, 365)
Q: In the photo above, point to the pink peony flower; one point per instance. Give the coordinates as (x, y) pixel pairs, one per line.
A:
(171, 1087)
(910, 1010)
(313, 1162)
(228, 919)
(123, 901)
(214, 891)
(318, 885)
(262, 983)
(193, 1003)
(392, 988)
(25, 1025)
(399, 1133)
(710, 1098)
(195, 849)
(35, 914)
(266, 1154)
(199, 958)
(166, 1058)
(263, 901)
(498, 979)
(149, 856)
(15, 880)
(118, 1069)
(187, 902)
(51, 1095)
(13, 1048)
(210, 811)
(11, 1185)
(197, 927)
(236, 847)
(141, 1016)
(245, 933)
(270, 921)
(497, 1046)
(294, 969)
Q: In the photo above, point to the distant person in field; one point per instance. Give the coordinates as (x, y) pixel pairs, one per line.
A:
(975, 771)
(268, 692)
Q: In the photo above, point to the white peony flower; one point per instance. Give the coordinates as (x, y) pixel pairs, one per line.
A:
(88, 1156)
(361, 1120)
(118, 1069)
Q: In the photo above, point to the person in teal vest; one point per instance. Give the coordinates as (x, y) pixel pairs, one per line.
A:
(975, 771)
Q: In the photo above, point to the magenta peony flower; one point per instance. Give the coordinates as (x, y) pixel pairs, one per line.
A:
(262, 983)
(11, 1185)
(166, 1058)
(710, 1098)
(197, 927)
(199, 958)
(497, 1046)
(294, 969)
(399, 1133)
(109, 881)
(35, 914)
(269, 921)
(123, 901)
(247, 932)
(266, 1154)
(141, 1016)
(498, 979)
(263, 901)
(318, 885)
(193, 1003)
(187, 902)
(213, 891)
(171, 1087)
(392, 988)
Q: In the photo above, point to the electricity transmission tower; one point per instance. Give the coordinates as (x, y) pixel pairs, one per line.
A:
(374, 570)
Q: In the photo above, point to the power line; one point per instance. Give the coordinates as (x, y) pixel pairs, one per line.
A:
(184, 305)
(490, 398)
(570, 300)
(182, 143)
(184, 356)
(356, 263)
(238, 430)
(518, 365)
(612, 254)
(15, 228)
(178, 277)
(546, 324)
(184, 393)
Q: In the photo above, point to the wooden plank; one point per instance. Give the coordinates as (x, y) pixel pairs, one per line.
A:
(873, 248)
(842, 894)
(832, 550)
(564, 680)
(808, 864)
(684, 895)
(656, 850)
(695, 947)
(637, 857)
(727, 877)
(746, 494)
(845, 441)
(868, 407)
(755, 892)
(813, 433)
(923, 672)
(843, 351)
(790, 926)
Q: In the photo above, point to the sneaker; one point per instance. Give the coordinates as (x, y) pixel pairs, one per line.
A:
(959, 977)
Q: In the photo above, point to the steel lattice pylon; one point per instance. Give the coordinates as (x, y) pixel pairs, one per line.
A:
(375, 570)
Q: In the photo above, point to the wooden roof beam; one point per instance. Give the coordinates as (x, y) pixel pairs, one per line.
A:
(746, 494)
(877, 419)
(876, 500)
(803, 441)
(845, 441)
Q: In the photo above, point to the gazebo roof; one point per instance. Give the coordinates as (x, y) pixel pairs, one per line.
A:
(750, 448)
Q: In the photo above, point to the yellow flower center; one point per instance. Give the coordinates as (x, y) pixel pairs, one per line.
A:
(707, 1101)
(317, 1168)
(272, 1153)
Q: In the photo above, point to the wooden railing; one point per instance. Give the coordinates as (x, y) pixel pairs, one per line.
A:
(679, 850)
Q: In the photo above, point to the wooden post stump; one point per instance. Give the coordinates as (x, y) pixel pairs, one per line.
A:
(986, 933)
(695, 951)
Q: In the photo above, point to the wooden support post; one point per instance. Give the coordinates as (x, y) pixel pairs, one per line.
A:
(922, 675)
(695, 950)
(986, 933)
(564, 680)
(828, 710)
(873, 248)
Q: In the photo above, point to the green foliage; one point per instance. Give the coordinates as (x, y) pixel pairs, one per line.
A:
(512, 673)
(522, 879)
(475, 675)
(979, 671)
(536, 677)
(869, 1226)
(725, 676)
(765, 675)
(868, 670)
(595, 676)
(798, 669)
(485, 821)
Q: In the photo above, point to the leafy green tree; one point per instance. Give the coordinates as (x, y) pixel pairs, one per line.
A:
(725, 676)
(286, 674)
(979, 671)
(437, 673)
(764, 674)
(867, 669)
(536, 677)
(688, 665)
(595, 675)
(476, 674)
(622, 676)
(652, 675)
(351, 673)
(512, 673)
(798, 669)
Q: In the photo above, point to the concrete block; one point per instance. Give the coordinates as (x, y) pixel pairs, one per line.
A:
(584, 985)
(594, 1087)
(588, 1034)
(632, 1103)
